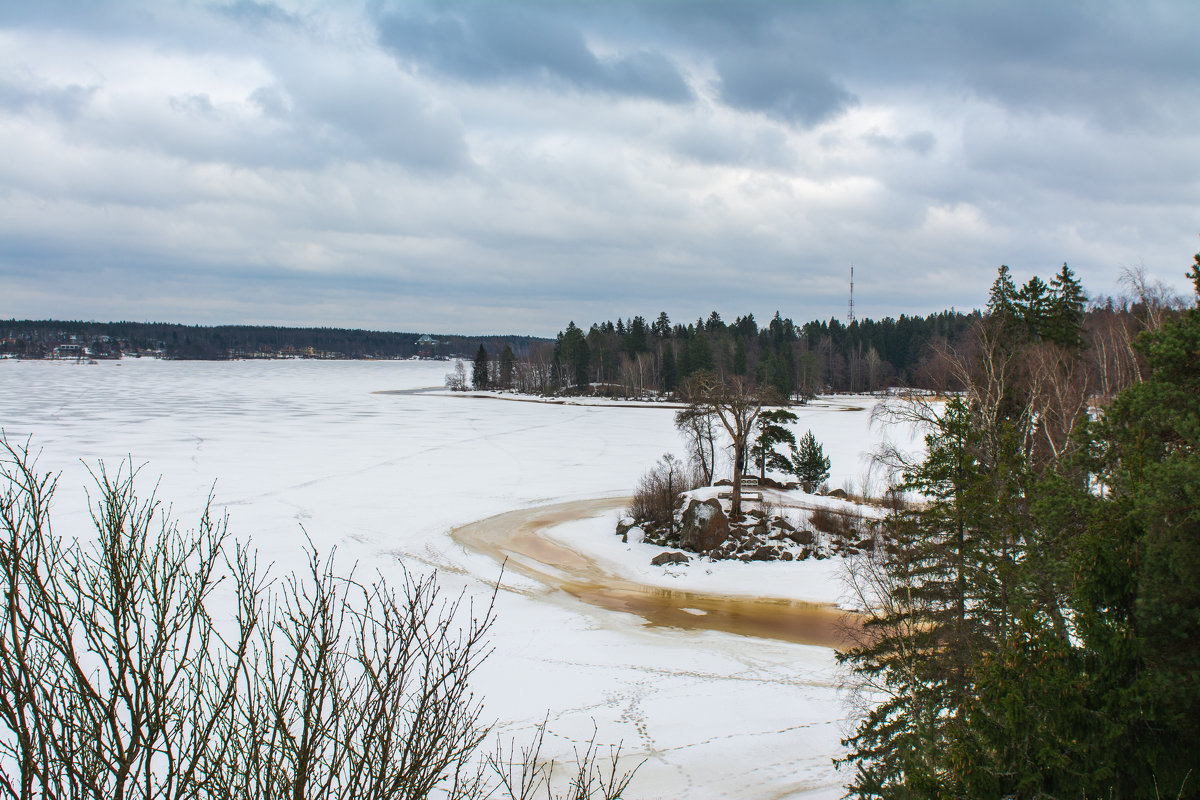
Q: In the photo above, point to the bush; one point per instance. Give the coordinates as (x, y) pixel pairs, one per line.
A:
(834, 523)
(657, 492)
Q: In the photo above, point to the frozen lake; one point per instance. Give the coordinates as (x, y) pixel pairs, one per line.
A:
(385, 477)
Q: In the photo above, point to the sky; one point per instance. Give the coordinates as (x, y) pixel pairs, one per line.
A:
(504, 167)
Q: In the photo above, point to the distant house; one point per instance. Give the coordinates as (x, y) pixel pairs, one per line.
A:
(427, 346)
(67, 351)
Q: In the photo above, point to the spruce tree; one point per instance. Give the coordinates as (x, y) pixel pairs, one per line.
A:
(479, 373)
(1033, 306)
(507, 361)
(810, 465)
(572, 350)
(667, 372)
(1002, 300)
(1064, 318)
(1142, 568)
(739, 357)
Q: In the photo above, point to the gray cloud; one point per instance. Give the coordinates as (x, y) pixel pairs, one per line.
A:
(63, 102)
(493, 43)
(505, 167)
(781, 87)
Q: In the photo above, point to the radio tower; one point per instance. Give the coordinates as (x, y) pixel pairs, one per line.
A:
(850, 313)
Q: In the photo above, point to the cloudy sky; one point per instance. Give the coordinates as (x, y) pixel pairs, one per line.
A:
(503, 167)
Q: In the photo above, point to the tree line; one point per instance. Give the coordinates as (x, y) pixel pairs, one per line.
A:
(38, 338)
(633, 357)
(1034, 606)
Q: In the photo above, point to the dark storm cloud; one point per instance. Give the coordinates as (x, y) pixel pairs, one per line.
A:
(780, 87)
(501, 43)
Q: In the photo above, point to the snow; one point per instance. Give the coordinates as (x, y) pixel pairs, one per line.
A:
(311, 450)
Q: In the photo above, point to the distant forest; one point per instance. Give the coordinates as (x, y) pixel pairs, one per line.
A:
(50, 338)
(634, 358)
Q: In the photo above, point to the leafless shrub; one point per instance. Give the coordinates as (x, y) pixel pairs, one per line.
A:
(116, 682)
(657, 491)
(834, 523)
(526, 775)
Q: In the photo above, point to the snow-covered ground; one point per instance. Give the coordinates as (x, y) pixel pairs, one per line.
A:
(385, 477)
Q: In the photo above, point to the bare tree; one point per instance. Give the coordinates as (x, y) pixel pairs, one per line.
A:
(1153, 300)
(736, 404)
(117, 682)
(700, 429)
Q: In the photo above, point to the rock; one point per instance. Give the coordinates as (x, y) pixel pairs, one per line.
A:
(783, 524)
(750, 544)
(756, 513)
(704, 526)
(866, 544)
(801, 537)
(765, 554)
(663, 559)
(623, 526)
(635, 534)
(760, 530)
(837, 493)
(786, 555)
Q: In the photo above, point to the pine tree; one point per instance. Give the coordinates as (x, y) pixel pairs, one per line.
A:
(772, 432)
(810, 465)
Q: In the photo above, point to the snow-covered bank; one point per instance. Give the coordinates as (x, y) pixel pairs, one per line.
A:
(388, 476)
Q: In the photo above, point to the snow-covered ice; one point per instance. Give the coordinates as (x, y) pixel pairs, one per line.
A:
(297, 449)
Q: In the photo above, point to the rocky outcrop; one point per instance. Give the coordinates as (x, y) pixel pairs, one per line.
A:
(662, 559)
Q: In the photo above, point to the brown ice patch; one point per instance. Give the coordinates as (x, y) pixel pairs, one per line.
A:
(517, 537)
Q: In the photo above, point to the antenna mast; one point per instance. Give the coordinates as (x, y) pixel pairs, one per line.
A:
(850, 313)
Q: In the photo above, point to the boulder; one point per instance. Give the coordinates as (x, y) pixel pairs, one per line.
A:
(663, 559)
(704, 526)
(623, 526)
(837, 493)
(866, 544)
(783, 524)
(801, 537)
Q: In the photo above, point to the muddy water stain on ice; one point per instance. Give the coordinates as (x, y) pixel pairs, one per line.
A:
(516, 536)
